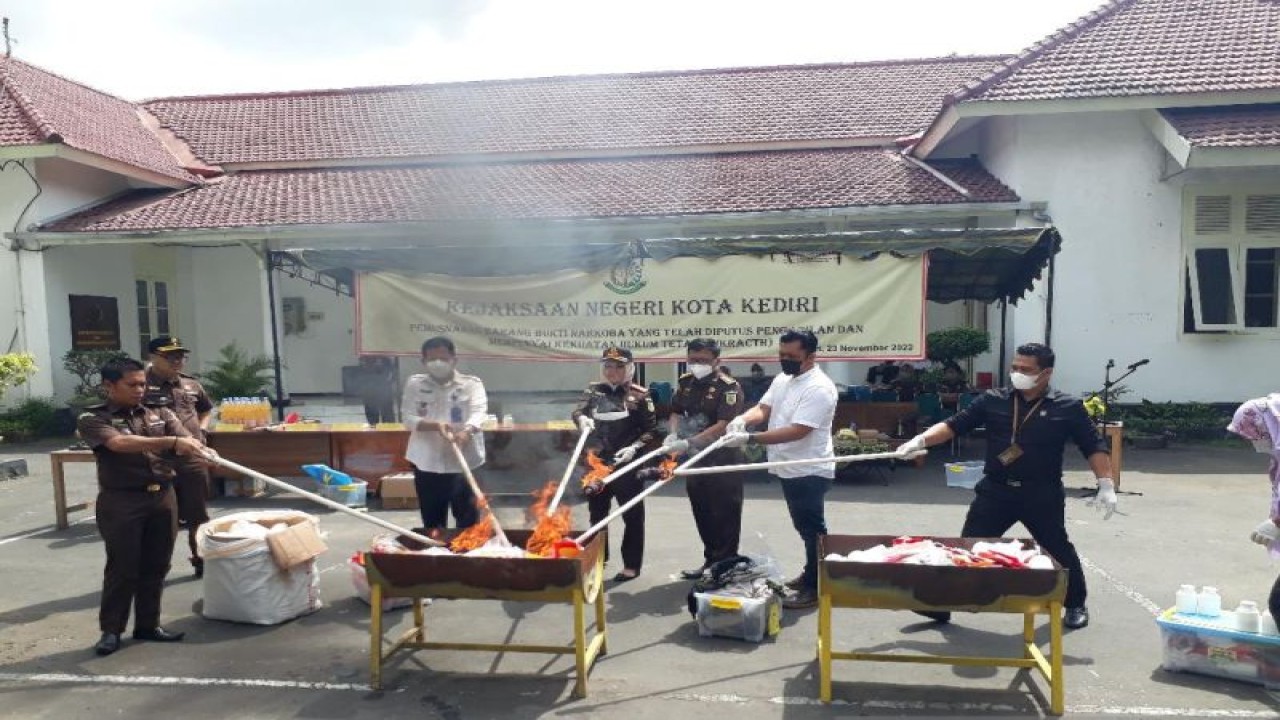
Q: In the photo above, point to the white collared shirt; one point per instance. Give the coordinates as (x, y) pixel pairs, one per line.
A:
(426, 399)
(810, 400)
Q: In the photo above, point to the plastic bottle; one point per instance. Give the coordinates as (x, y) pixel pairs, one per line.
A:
(1209, 602)
(1267, 625)
(508, 421)
(1185, 600)
(1248, 618)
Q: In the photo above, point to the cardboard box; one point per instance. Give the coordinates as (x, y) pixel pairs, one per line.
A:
(299, 544)
(1211, 646)
(398, 492)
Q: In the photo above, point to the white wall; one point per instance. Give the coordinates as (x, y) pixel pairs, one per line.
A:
(1117, 291)
(228, 292)
(315, 356)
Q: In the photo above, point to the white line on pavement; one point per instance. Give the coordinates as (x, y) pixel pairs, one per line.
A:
(879, 707)
(179, 681)
(1142, 600)
(33, 533)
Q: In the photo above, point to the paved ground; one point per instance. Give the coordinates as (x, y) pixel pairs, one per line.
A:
(1190, 524)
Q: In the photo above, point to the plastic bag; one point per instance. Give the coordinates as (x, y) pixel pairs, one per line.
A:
(328, 475)
(360, 581)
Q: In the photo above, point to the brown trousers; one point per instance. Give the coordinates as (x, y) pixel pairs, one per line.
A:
(138, 529)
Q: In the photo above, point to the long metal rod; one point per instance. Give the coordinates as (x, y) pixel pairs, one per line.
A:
(643, 494)
(682, 470)
(481, 500)
(320, 499)
(568, 471)
(632, 465)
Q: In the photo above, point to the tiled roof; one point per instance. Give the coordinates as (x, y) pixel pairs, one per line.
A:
(654, 186)
(1232, 126)
(38, 107)
(568, 114)
(1146, 47)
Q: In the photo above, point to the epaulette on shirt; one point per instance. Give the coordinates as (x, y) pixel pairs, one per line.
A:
(686, 375)
(639, 388)
(418, 377)
(726, 379)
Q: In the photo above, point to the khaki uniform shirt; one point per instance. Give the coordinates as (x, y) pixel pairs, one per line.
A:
(184, 395)
(130, 471)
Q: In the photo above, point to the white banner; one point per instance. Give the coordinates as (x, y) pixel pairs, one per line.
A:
(860, 309)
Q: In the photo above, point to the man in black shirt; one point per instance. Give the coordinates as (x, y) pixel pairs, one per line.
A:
(1028, 428)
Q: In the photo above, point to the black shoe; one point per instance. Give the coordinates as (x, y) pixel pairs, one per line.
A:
(107, 644)
(794, 583)
(802, 599)
(938, 616)
(1076, 618)
(693, 573)
(624, 577)
(158, 634)
(197, 565)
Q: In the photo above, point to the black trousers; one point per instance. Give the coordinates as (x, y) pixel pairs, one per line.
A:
(138, 529)
(1042, 510)
(438, 493)
(1273, 602)
(192, 488)
(623, 489)
(379, 409)
(716, 500)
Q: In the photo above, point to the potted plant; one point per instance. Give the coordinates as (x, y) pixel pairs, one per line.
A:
(237, 374)
(86, 365)
(952, 346)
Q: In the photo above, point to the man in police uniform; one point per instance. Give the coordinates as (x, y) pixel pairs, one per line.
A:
(136, 448)
(1028, 428)
(169, 387)
(621, 414)
(440, 400)
(704, 402)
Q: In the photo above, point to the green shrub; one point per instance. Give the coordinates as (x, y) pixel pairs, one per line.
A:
(956, 344)
(84, 365)
(36, 417)
(1181, 421)
(15, 369)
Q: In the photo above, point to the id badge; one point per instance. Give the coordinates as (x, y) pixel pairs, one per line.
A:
(1010, 455)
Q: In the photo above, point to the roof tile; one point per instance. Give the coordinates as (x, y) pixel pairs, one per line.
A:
(1145, 47)
(37, 106)
(573, 114)
(654, 186)
(1233, 126)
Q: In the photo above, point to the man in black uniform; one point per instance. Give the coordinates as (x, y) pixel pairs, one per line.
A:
(169, 387)
(136, 448)
(704, 403)
(621, 415)
(1028, 428)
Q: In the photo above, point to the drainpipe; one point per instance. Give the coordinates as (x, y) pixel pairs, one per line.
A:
(269, 258)
(1004, 314)
(1048, 306)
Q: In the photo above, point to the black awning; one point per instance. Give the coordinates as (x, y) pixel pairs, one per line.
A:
(980, 264)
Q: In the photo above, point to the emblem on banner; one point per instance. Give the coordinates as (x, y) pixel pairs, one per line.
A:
(627, 276)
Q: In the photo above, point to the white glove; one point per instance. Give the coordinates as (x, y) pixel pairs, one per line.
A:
(674, 444)
(625, 455)
(736, 425)
(1106, 499)
(912, 446)
(1266, 533)
(585, 423)
(735, 439)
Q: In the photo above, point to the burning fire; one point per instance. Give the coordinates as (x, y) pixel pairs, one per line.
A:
(667, 468)
(549, 529)
(474, 536)
(598, 471)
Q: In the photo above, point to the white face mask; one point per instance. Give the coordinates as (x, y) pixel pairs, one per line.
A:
(1023, 381)
(440, 369)
(700, 370)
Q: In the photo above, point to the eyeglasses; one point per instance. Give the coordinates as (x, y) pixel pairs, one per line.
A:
(174, 358)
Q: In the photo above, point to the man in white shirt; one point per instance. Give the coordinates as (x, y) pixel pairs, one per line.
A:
(798, 407)
(441, 399)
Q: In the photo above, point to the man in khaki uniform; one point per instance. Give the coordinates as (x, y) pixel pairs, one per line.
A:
(136, 448)
(169, 387)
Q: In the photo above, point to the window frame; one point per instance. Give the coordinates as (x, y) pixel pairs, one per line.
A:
(1237, 242)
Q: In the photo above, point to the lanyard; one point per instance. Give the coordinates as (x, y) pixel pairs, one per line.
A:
(1019, 421)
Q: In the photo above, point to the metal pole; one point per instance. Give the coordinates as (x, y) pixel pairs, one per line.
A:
(320, 499)
(1048, 307)
(568, 471)
(270, 257)
(893, 455)
(1004, 344)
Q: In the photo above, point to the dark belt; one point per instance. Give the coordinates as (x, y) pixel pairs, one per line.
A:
(1007, 481)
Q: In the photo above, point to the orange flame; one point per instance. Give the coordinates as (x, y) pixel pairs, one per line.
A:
(474, 536)
(549, 529)
(667, 468)
(598, 471)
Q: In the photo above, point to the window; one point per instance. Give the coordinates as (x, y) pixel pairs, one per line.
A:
(153, 311)
(1232, 262)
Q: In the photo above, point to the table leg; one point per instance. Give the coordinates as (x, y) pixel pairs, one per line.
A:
(375, 636)
(59, 492)
(580, 641)
(824, 647)
(1057, 689)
